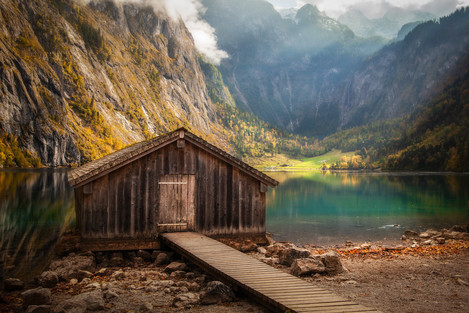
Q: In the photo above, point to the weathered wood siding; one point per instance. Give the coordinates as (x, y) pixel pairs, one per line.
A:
(125, 203)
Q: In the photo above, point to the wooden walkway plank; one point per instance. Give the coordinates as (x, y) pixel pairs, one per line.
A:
(271, 287)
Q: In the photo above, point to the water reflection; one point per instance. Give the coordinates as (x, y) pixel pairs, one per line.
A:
(35, 208)
(329, 208)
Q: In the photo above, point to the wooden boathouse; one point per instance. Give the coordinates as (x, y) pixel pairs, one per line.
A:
(174, 182)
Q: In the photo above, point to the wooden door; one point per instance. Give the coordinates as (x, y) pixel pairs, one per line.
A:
(176, 203)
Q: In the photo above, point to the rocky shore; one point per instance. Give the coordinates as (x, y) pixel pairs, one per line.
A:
(160, 281)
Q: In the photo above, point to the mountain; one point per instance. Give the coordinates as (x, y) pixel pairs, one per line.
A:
(79, 81)
(278, 68)
(438, 135)
(313, 76)
(405, 74)
(387, 26)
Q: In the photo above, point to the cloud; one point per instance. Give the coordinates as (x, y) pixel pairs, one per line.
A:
(204, 35)
(375, 8)
(189, 11)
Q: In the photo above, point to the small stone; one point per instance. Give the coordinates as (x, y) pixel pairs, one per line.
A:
(37, 296)
(261, 250)
(349, 243)
(457, 228)
(178, 274)
(118, 275)
(71, 305)
(155, 254)
(427, 242)
(146, 307)
(415, 245)
(94, 285)
(138, 260)
(73, 281)
(110, 294)
(425, 235)
(365, 246)
(162, 259)
(185, 299)
(81, 274)
(411, 234)
(462, 282)
(103, 272)
(350, 282)
(404, 238)
(38, 309)
(269, 239)
(248, 246)
(175, 266)
(13, 284)
(194, 287)
(85, 281)
(216, 292)
(201, 279)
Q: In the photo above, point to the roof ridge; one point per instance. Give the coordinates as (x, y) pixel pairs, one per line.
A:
(121, 157)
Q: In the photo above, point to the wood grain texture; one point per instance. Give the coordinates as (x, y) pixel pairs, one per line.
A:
(276, 290)
(184, 184)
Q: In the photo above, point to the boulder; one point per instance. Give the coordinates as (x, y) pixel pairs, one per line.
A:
(37, 296)
(71, 305)
(13, 284)
(216, 292)
(306, 266)
(70, 266)
(145, 255)
(162, 259)
(94, 300)
(175, 266)
(331, 261)
(38, 309)
(185, 299)
(48, 279)
(289, 255)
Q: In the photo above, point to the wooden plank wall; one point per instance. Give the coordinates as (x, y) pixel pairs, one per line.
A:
(125, 203)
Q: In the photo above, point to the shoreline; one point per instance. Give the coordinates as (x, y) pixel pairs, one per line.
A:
(375, 275)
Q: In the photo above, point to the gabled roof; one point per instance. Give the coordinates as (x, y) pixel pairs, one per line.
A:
(113, 161)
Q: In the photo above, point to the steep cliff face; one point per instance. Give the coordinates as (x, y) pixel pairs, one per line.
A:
(408, 73)
(78, 81)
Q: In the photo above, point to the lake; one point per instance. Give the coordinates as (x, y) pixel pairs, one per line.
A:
(324, 208)
(37, 206)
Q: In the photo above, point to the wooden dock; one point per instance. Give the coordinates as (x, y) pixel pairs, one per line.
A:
(276, 290)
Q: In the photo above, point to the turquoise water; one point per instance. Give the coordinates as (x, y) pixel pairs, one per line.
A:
(329, 208)
(37, 206)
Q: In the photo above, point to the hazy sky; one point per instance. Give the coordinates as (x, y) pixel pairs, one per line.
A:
(375, 8)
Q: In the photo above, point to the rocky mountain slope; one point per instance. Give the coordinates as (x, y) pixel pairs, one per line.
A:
(80, 80)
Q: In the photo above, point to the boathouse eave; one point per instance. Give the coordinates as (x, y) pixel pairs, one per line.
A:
(98, 168)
